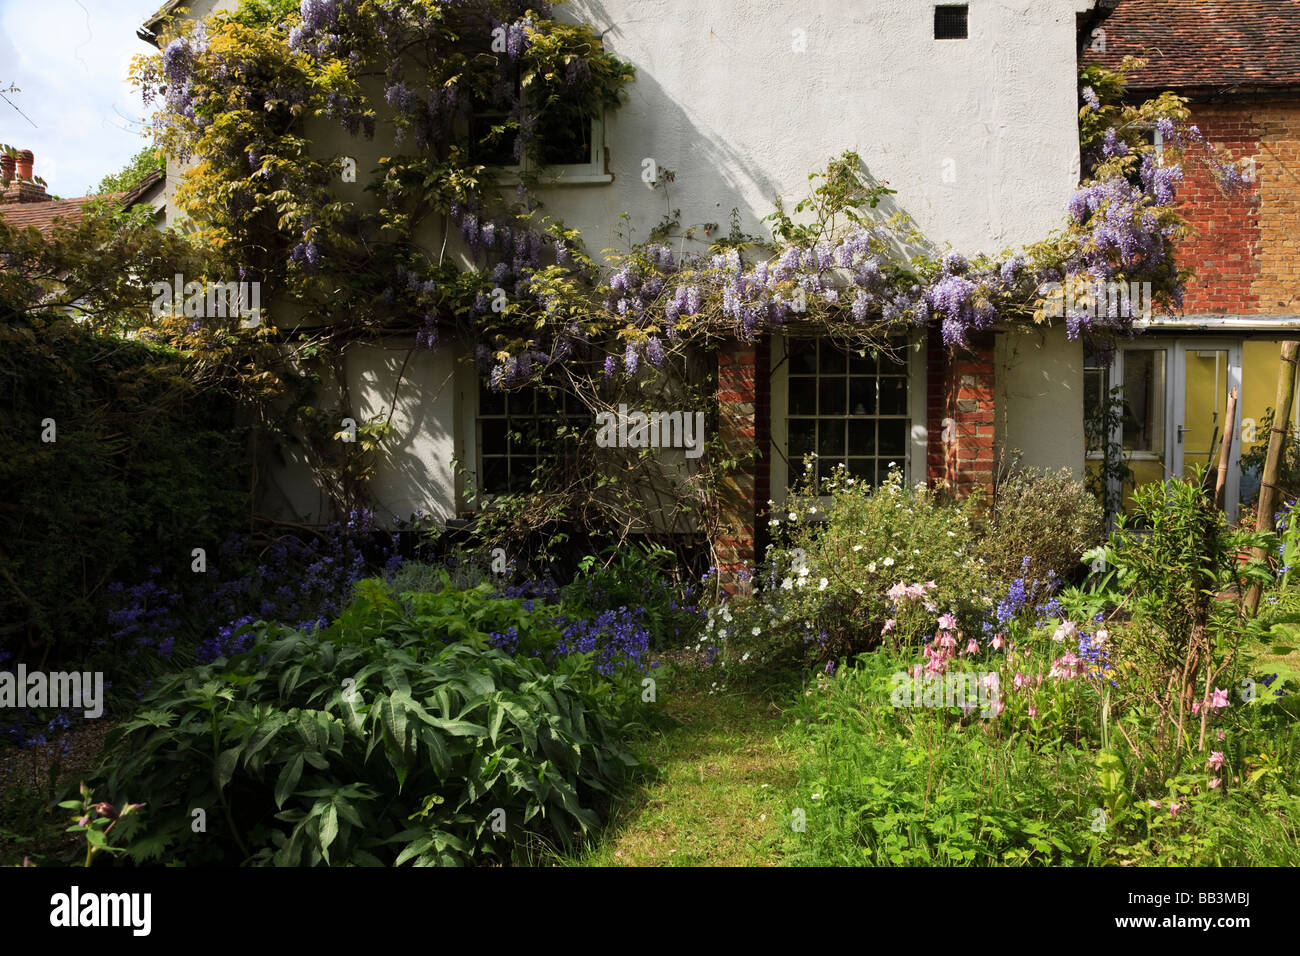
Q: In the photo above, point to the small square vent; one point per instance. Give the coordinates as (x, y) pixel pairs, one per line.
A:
(950, 22)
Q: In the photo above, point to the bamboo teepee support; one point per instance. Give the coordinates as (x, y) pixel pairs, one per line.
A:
(1273, 463)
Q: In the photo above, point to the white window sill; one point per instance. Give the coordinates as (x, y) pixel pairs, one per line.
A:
(555, 177)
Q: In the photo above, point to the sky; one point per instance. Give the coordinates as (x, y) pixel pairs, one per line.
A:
(70, 59)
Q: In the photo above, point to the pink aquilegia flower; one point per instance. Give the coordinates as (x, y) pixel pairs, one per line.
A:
(897, 592)
(947, 622)
(1033, 712)
(1219, 699)
(1216, 760)
(1220, 734)
(1154, 803)
(1196, 707)
(997, 641)
(1068, 666)
(972, 647)
(890, 624)
(947, 640)
(1019, 681)
(1174, 808)
(931, 606)
(1214, 782)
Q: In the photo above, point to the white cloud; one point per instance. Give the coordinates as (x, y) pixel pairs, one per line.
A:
(69, 58)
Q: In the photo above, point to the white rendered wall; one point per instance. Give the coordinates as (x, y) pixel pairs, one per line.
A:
(1038, 409)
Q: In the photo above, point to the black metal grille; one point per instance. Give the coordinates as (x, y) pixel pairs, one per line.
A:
(950, 22)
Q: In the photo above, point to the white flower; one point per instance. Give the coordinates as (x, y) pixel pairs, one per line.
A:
(817, 796)
(857, 547)
(744, 657)
(786, 584)
(722, 632)
(821, 585)
(889, 562)
(803, 571)
(774, 522)
(871, 568)
(792, 516)
(755, 631)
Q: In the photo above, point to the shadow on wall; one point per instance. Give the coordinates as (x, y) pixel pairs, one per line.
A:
(713, 174)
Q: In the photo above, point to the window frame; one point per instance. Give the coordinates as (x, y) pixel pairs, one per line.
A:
(916, 432)
(594, 172)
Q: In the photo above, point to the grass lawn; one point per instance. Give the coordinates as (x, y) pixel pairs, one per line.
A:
(717, 789)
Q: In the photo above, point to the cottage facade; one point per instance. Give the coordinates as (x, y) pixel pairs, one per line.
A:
(968, 111)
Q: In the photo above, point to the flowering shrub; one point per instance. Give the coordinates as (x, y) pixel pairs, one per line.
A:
(856, 565)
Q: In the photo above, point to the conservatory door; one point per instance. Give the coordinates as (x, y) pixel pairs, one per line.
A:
(1204, 371)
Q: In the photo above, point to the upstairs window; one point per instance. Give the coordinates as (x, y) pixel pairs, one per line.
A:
(950, 22)
(572, 145)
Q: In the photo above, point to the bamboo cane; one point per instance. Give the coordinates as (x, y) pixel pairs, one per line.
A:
(1230, 419)
(1272, 464)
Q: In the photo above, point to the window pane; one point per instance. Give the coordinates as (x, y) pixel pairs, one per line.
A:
(833, 359)
(832, 392)
(494, 436)
(862, 364)
(830, 438)
(803, 357)
(495, 475)
(893, 396)
(862, 438)
(863, 469)
(803, 437)
(803, 396)
(1144, 399)
(566, 139)
(893, 438)
(862, 396)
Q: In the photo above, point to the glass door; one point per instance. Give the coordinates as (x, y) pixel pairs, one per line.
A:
(1205, 370)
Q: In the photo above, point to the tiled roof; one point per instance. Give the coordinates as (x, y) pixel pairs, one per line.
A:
(1224, 45)
(42, 215)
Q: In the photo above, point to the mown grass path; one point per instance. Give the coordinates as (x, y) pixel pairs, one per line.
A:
(717, 789)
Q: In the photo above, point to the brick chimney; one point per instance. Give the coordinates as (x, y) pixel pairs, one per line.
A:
(6, 171)
(19, 186)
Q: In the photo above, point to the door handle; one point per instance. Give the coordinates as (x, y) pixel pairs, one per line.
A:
(1181, 429)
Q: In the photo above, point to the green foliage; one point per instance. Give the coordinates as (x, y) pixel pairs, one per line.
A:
(139, 166)
(142, 469)
(1288, 476)
(96, 821)
(1049, 517)
(1179, 584)
(392, 736)
(641, 576)
(893, 786)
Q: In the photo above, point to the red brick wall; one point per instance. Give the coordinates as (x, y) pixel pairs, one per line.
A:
(1225, 242)
(737, 402)
(960, 387)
